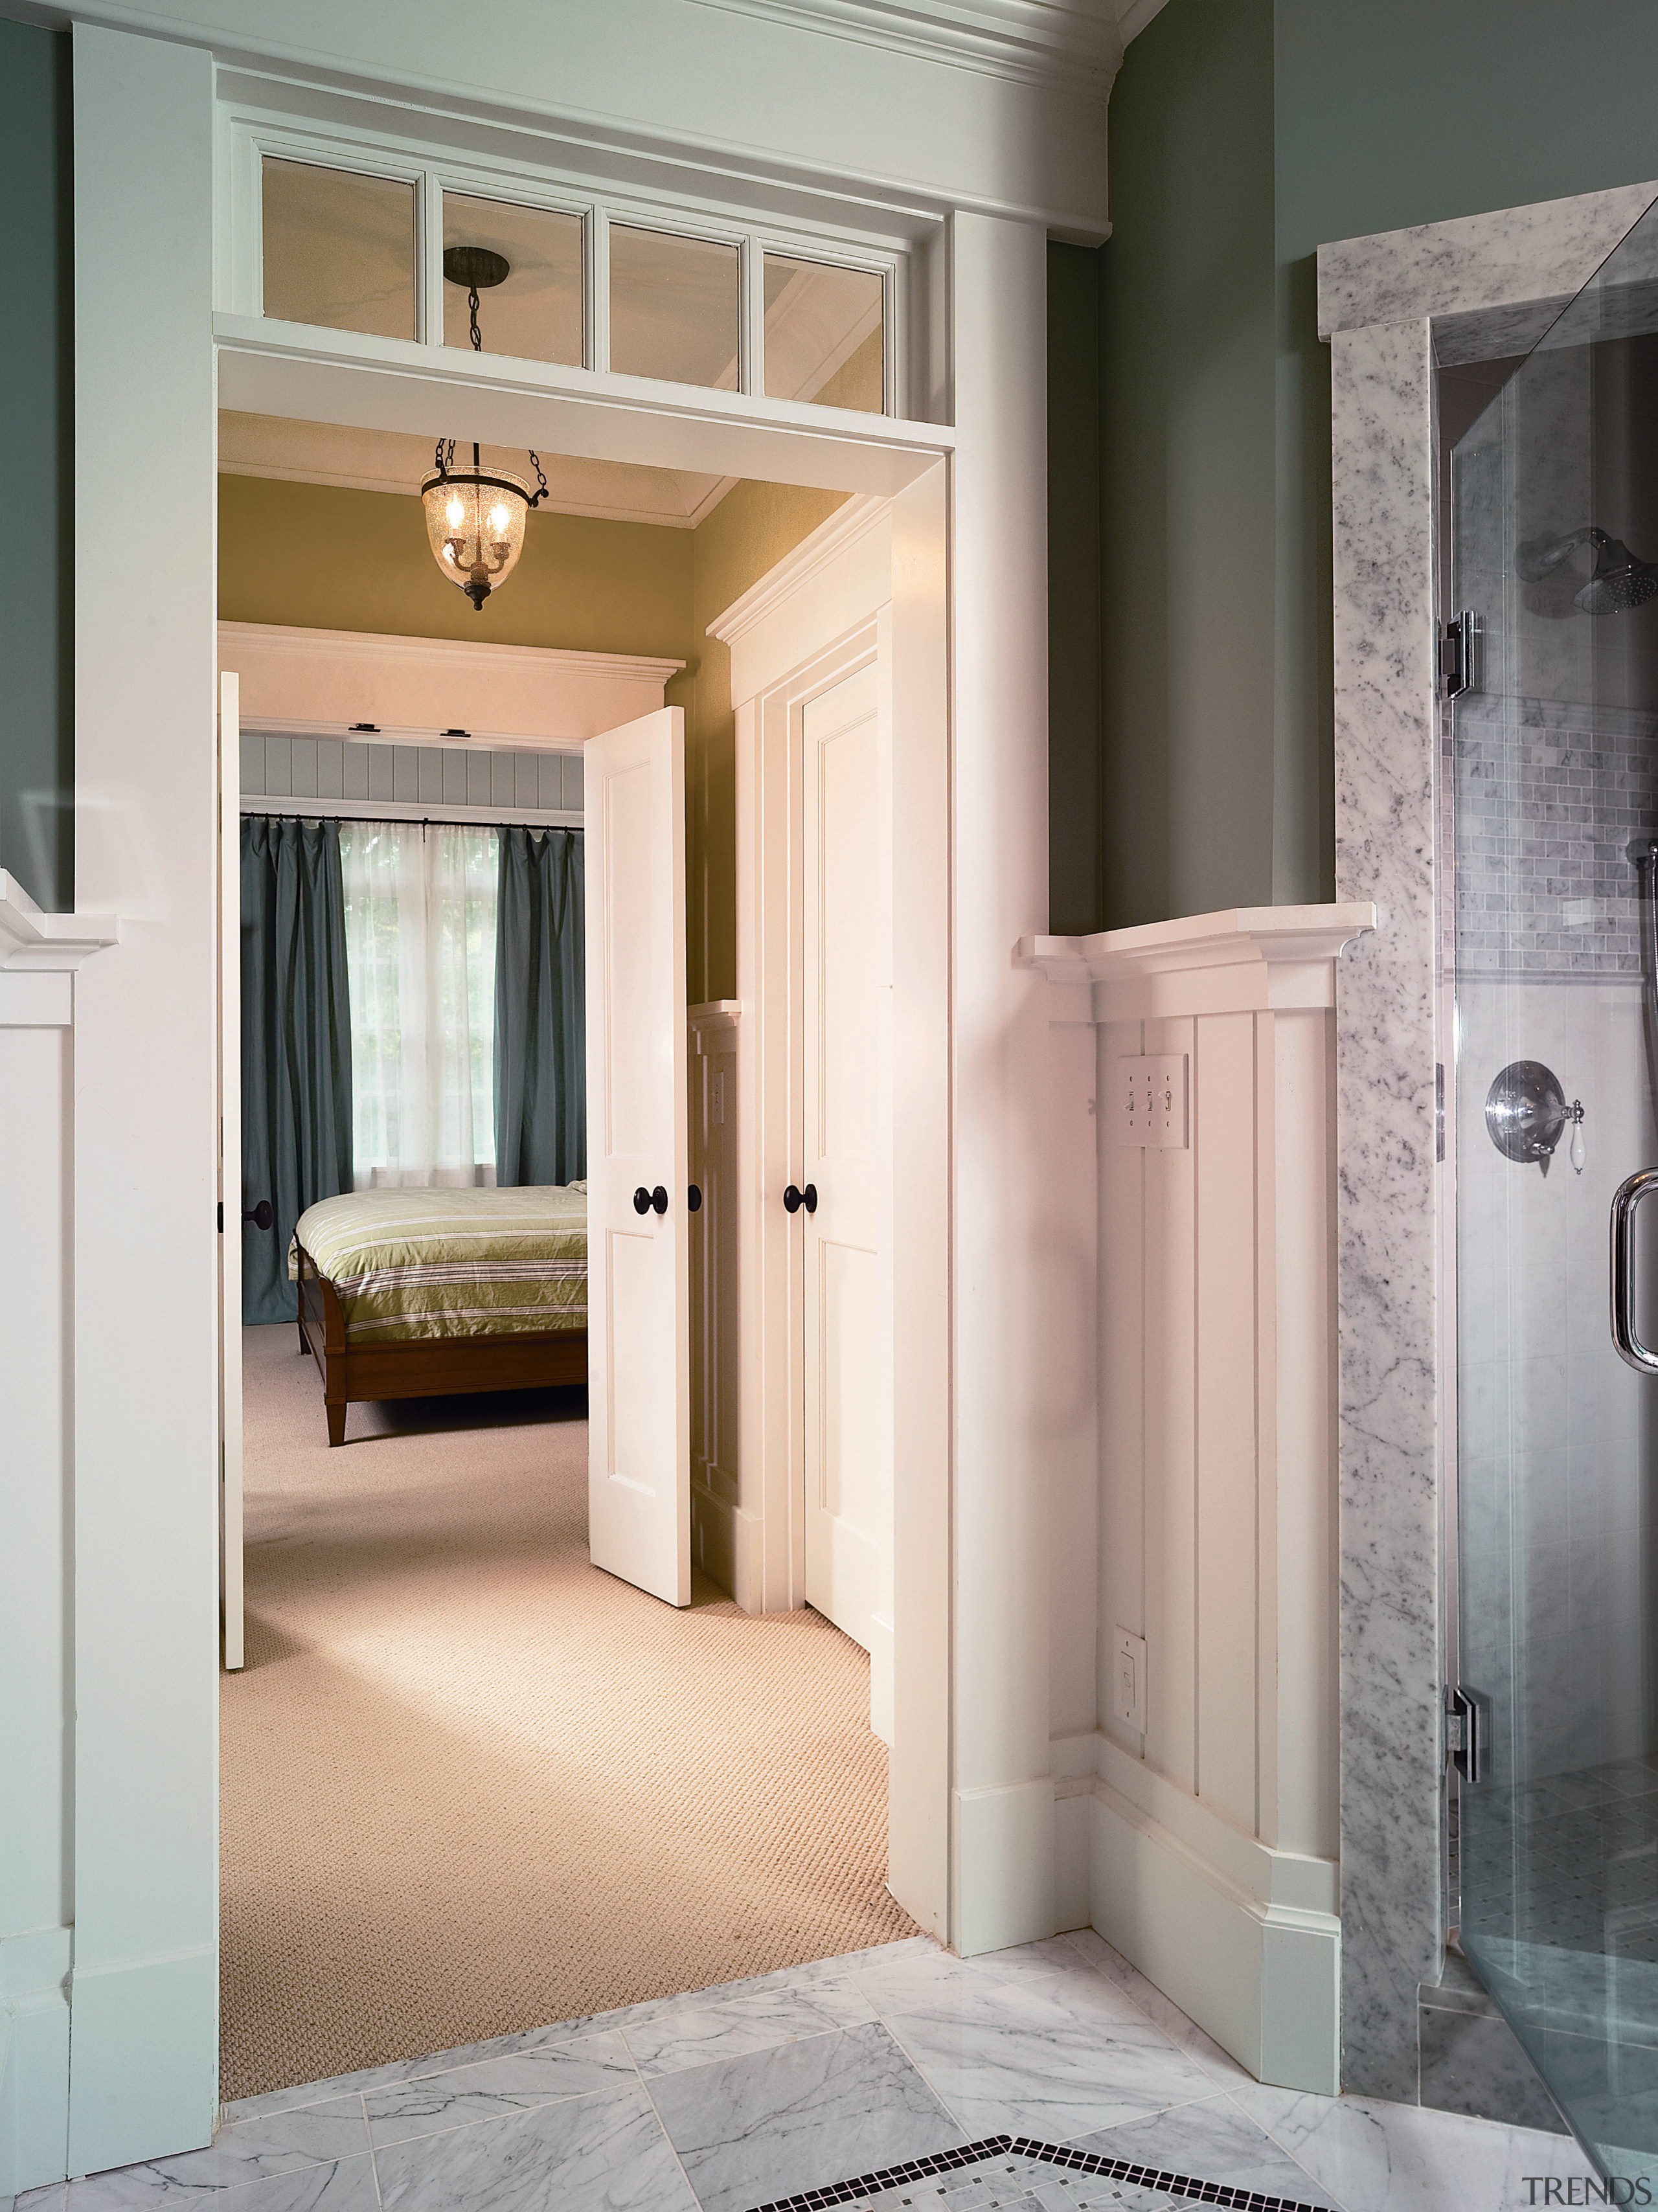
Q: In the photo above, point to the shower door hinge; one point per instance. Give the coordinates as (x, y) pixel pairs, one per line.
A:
(1468, 1728)
(1438, 1109)
(1457, 648)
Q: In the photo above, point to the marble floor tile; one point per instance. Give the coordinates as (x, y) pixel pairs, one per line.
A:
(514, 2083)
(740, 2024)
(346, 2186)
(49, 2199)
(1375, 2157)
(1162, 2011)
(1214, 2142)
(803, 2115)
(1019, 2060)
(598, 2154)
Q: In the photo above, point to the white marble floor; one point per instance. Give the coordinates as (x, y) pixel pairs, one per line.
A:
(726, 2098)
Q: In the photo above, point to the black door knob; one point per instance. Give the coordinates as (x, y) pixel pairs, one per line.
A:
(643, 1199)
(693, 1200)
(262, 1215)
(794, 1199)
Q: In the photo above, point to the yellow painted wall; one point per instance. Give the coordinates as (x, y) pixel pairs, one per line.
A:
(323, 559)
(315, 557)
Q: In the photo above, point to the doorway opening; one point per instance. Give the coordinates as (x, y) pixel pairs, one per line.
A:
(471, 1782)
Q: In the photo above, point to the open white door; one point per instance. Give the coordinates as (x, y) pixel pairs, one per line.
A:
(848, 1444)
(639, 1249)
(230, 1506)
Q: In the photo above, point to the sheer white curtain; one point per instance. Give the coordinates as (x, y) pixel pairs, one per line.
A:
(420, 948)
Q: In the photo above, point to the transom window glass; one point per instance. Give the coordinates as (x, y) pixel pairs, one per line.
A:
(535, 313)
(672, 307)
(823, 334)
(339, 249)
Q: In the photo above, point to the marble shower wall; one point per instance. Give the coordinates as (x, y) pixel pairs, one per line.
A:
(1478, 288)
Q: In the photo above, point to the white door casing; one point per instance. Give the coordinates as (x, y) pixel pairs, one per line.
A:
(230, 1190)
(639, 1263)
(847, 1447)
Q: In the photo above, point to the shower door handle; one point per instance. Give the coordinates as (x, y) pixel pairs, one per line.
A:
(1623, 1208)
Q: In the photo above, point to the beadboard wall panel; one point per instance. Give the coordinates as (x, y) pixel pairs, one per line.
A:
(1211, 1837)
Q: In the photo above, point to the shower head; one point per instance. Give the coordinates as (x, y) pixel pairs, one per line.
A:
(1620, 580)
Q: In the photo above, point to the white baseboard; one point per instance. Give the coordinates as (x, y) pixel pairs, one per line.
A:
(881, 1680)
(713, 1531)
(1072, 1854)
(145, 2077)
(34, 2060)
(1002, 1843)
(748, 1587)
(1263, 1979)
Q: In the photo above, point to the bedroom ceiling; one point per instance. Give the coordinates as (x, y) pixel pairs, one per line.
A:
(387, 460)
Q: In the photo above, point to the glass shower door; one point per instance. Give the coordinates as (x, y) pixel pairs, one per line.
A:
(1551, 771)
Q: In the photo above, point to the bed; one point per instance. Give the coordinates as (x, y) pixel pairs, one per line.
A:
(422, 1293)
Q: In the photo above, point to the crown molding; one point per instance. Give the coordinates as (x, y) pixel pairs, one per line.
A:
(373, 646)
(1041, 42)
(850, 523)
(1268, 956)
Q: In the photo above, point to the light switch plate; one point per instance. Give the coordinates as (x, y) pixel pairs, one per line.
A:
(1151, 1100)
(1128, 1677)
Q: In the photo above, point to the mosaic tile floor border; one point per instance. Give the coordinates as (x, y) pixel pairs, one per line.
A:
(872, 2186)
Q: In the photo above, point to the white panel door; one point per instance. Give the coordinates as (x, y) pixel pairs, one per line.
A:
(230, 1499)
(638, 1267)
(848, 1482)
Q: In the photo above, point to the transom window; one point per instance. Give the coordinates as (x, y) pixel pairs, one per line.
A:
(594, 285)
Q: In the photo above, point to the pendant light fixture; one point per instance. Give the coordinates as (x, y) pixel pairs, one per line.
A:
(475, 518)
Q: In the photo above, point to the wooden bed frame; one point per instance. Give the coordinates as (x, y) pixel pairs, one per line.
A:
(422, 1366)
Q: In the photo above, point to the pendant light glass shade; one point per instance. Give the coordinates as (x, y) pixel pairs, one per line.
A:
(475, 523)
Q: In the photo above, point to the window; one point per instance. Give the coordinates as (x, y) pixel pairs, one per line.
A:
(823, 333)
(339, 249)
(420, 917)
(609, 280)
(673, 305)
(536, 314)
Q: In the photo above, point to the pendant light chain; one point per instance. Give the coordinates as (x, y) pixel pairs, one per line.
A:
(475, 521)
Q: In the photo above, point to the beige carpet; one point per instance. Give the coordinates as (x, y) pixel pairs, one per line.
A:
(471, 1784)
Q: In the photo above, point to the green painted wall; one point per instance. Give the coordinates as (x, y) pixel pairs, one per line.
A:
(1187, 411)
(37, 635)
(1244, 134)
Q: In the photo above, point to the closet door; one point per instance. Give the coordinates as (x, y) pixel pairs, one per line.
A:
(638, 1272)
(230, 1192)
(848, 1475)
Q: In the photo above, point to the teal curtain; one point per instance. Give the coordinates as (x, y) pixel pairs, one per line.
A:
(296, 1043)
(540, 1027)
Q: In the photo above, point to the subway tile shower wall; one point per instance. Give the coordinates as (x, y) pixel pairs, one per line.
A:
(1550, 794)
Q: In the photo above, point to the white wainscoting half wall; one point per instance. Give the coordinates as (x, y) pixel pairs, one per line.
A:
(716, 1335)
(1201, 1830)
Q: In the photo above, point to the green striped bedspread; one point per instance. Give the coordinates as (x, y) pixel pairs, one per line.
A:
(412, 1263)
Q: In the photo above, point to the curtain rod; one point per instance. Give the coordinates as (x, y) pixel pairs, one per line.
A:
(400, 821)
(253, 803)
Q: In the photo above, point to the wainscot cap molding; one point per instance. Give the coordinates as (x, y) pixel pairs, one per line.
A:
(846, 527)
(1496, 281)
(29, 939)
(1278, 957)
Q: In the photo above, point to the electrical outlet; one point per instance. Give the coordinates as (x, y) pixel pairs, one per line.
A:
(717, 1099)
(1151, 1095)
(1128, 1675)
